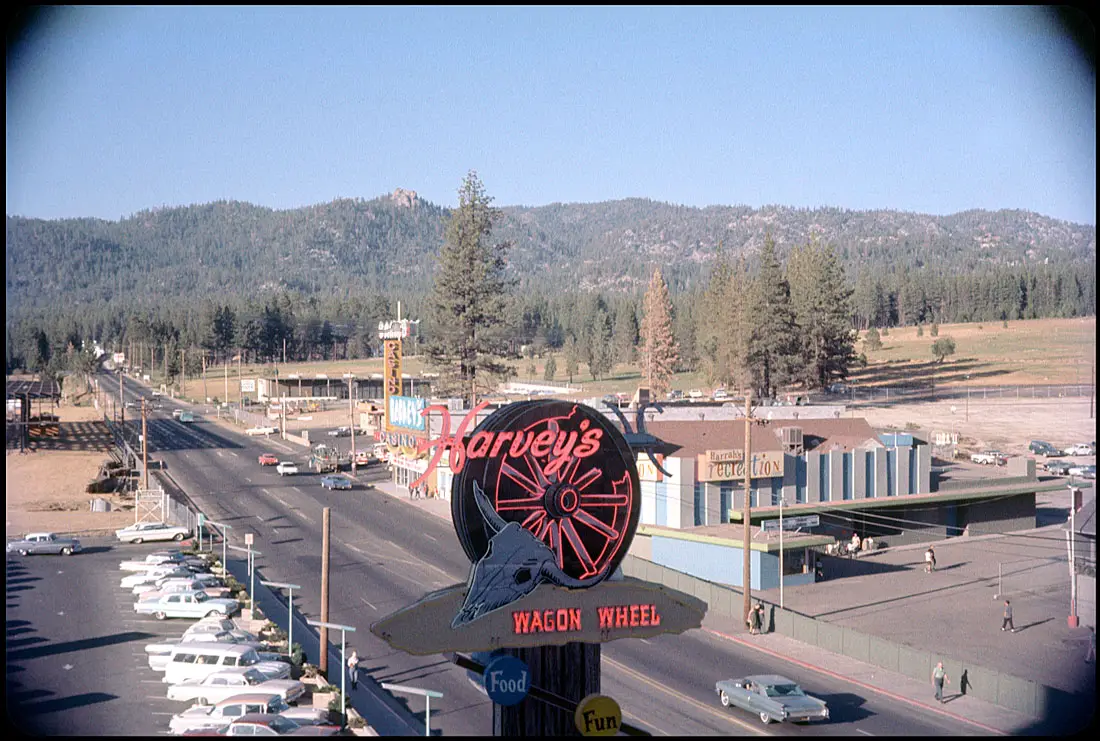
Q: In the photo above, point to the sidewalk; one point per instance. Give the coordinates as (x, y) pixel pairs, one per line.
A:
(986, 716)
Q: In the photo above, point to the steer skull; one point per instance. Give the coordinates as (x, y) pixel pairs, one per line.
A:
(513, 565)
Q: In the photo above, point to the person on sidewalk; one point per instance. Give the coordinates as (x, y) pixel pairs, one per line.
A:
(754, 621)
(1090, 657)
(761, 617)
(929, 560)
(939, 676)
(1007, 622)
(353, 669)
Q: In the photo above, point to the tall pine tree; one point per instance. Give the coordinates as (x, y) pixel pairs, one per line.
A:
(820, 303)
(659, 354)
(470, 298)
(772, 340)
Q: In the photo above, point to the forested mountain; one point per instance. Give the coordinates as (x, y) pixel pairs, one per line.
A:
(321, 276)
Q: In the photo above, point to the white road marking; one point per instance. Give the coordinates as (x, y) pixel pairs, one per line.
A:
(248, 479)
(430, 537)
(356, 550)
(368, 604)
(219, 453)
(865, 733)
(646, 641)
(67, 667)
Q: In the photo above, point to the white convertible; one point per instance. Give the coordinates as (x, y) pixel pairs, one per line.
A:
(192, 605)
(144, 531)
(232, 681)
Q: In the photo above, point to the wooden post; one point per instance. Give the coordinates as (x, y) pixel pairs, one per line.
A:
(571, 671)
(144, 449)
(746, 539)
(205, 396)
(322, 663)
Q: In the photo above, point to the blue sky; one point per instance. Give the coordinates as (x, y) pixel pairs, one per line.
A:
(934, 110)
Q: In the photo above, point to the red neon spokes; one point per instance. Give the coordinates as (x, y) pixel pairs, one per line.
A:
(545, 528)
(532, 503)
(566, 472)
(534, 520)
(513, 473)
(578, 547)
(603, 529)
(587, 478)
(536, 469)
(555, 545)
(604, 500)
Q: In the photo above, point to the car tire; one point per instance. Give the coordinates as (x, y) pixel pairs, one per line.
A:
(202, 701)
(138, 541)
(177, 537)
(66, 551)
(724, 698)
(159, 615)
(23, 552)
(213, 613)
(765, 718)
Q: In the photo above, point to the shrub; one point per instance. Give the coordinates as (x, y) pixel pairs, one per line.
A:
(934, 330)
(298, 655)
(920, 330)
(885, 331)
(872, 339)
(943, 347)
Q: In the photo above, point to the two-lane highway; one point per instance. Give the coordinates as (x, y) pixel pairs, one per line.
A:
(386, 555)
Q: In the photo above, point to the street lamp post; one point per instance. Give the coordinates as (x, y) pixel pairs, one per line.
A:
(289, 611)
(427, 694)
(782, 574)
(225, 539)
(251, 570)
(343, 660)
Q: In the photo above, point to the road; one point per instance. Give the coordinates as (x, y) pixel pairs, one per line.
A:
(386, 555)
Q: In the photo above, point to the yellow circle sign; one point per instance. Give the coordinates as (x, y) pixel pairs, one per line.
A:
(598, 715)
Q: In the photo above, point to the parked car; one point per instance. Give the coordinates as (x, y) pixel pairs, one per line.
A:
(218, 624)
(222, 713)
(183, 584)
(364, 458)
(266, 724)
(335, 482)
(990, 458)
(695, 394)
(268, 459)
(200, 582)
(196, 660)
(340, 432)
(176, 413)
(39, 543)
(260, 431)
(721, 395)
(152, 576)
(1058, 468)
(143, 531)
(1085, 472)
(161, 558)
(192, 605)
(1081, 449)
(772, 697)
(675, 395)
(1041, 447)
(160, 653)
(234, 680)
(286, 468)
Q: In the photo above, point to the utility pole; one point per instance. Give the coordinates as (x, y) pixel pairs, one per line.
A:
(746, 539)
(225, 367)
(121, 401)
(205, 396)
(351, 407)
(239, 376)
(284, 351)
(165, 367)
(325, 523)
(145, 451)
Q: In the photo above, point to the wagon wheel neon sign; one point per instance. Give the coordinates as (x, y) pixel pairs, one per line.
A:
(584, 508)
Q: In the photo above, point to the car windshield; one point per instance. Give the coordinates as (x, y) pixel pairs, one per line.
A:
(249, 658)
(254, 677)
(201, 596)
(282, 725)
(783, 690)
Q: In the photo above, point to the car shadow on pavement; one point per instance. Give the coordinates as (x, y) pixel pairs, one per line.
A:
(24, 579)
(86, 643)
(65, 703)
(97, 549)
(845, 707)
(949, 567)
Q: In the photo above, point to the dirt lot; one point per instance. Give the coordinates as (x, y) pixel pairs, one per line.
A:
(45, 487)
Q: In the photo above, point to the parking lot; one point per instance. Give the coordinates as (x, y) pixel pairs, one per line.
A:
(75, 650)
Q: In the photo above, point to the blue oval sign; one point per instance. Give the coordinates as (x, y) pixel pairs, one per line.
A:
(507, 680)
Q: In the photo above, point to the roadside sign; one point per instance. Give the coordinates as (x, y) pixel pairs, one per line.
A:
(202, 519)
(598, 715)
(792, 523)
(507, 680)
(248, 538)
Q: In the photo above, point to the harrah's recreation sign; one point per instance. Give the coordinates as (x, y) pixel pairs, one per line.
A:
(563, 447)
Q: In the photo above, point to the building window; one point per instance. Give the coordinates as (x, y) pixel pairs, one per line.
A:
(699, 504)
(800, 479)
(913, 469)
(891, 471)
(869, 479)
(846, 466)
(823, 476)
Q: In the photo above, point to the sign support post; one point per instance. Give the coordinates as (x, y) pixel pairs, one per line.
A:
(289, 613)
(344, 629)
(427, 694)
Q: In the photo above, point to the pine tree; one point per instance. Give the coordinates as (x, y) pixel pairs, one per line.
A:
(820, 303)
(470, 297)
(600, 351)
(626, 332)
(659, 353)
(772, 338)
(722, 327)
(549, 369)
(572, 366)
(872, 340)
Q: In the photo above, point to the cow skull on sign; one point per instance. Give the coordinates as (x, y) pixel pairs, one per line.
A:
(513, 565)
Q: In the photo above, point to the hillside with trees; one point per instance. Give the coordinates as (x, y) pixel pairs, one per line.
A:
(229, 276)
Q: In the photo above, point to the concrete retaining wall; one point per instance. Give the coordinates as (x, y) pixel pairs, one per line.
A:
(1022, 695)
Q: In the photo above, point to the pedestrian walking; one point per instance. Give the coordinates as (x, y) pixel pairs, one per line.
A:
(930, 560)
(761, 617)
(353, 669)
(754, 621)
(939, 676)
(1007, 622)
(1090, 657)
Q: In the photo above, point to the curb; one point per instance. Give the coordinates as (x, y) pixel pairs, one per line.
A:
(892, 695)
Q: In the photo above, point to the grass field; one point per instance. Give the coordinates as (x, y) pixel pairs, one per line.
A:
(1024, 352)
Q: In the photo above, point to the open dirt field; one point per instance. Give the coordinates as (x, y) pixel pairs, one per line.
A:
(45, 487)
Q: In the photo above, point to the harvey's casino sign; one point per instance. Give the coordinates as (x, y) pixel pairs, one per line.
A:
(545, 502)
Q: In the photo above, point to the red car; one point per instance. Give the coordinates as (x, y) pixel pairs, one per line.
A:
(269, 459)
